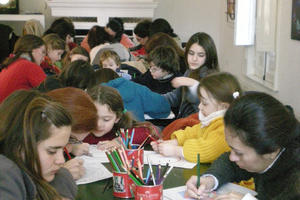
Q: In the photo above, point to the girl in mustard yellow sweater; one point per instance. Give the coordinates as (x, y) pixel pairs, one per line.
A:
(216, 92)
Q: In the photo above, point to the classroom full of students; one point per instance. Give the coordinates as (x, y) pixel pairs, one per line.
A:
(58, 97)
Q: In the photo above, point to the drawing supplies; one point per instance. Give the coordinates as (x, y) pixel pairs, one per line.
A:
(143, 143)
(140, 169)
(117, 161)
(148, 176)
(167, 173)
(112, 161)
(151, 171)
(158, 179)
(117, 156)
(198, 170)
(67, 152)
(134, 179)
(164, 171)
(131, 137)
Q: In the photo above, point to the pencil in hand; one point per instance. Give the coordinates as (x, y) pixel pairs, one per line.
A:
(198, 170)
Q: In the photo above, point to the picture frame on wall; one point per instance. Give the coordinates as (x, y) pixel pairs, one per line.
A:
(9, 6)
(295, 29)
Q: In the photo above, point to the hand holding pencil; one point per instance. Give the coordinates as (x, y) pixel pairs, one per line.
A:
(203, 191)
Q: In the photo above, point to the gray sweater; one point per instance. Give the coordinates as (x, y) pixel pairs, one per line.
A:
(15, 184)
(186, 102)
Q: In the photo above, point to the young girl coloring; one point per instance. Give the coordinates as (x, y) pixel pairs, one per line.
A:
(112, 116)
(207, 138)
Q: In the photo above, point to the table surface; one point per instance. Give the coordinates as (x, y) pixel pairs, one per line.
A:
(177, 177)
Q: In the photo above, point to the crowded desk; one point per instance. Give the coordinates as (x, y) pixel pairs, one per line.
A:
(96, 190)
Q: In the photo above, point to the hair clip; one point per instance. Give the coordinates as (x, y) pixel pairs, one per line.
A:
(43, 115)
(236, 95)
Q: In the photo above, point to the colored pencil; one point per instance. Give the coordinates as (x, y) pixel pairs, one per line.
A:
(67, 152)
(151, 171)
(167, 173)
(198, 170)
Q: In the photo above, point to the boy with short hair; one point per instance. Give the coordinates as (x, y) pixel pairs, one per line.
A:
(110, 59)
(164, 67)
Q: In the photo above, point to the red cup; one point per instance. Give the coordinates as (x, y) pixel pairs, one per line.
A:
(133, 154)
(122, 185)
(149, 192)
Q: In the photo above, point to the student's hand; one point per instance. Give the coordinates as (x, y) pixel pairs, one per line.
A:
(80, 149)
(183, 81)
(75, 166)
(154, 145)
(172, 142)
(168, 149)
(104, 145)
(230, 196)
(206, 184)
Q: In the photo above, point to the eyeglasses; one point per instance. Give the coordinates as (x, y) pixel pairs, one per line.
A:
(155, 69)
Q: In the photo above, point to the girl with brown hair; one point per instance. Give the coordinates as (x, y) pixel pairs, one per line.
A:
(33, 132)
(22, 70)
(206, 138)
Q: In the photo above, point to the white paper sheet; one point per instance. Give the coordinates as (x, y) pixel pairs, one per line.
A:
(94, 170)
(156, 159)
(178, 192)
(98, 154)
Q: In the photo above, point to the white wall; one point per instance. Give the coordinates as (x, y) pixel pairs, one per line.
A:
(190, 16)
(209, 16)
(232, 59)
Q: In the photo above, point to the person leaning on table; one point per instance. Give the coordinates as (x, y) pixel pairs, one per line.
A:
(265, 141)
(33, 132)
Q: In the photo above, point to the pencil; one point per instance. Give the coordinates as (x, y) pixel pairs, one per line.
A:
(67, 152)
(151, 171)
(167, 173)
(143, 143)
(198, 170)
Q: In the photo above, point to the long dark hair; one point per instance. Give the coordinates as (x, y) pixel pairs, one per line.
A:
(97, 35)
(79, 74)
(263, 123)
(207, 43)
(25, 120)
(23, 45)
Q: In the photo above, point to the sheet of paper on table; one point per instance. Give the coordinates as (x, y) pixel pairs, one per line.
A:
(178, 192)
(94, 170)
(98, 154)
(156, 159)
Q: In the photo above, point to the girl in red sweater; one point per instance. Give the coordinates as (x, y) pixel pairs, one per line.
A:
(22, 70)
